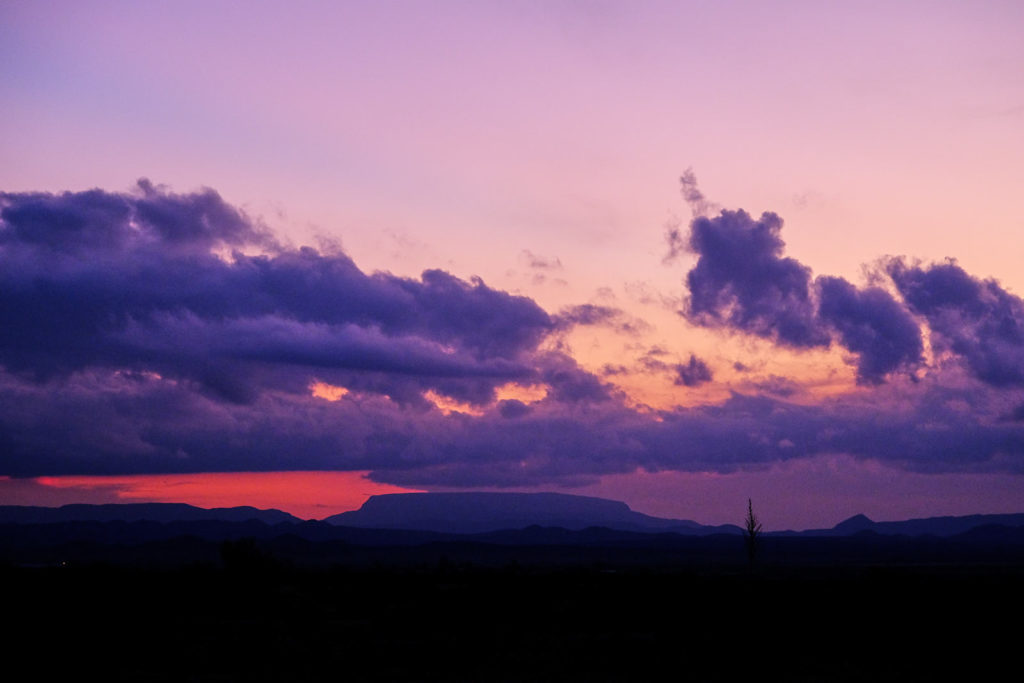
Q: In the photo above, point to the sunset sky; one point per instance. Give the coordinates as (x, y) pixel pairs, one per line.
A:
(679, 254)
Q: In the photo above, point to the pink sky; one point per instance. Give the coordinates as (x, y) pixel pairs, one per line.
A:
(483, 138)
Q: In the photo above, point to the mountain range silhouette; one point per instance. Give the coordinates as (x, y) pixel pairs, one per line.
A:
(480, 529)
(484, 512)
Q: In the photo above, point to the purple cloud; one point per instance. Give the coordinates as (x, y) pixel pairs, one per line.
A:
(587, 314)
(742, 282)
(872, 324)
(974, 319)
(109, 423)
(540, 262)
(593, 314)
(131, 281)
(693, 373)
(569, 383)
(777, 386)
(130, 344)
(80, 222)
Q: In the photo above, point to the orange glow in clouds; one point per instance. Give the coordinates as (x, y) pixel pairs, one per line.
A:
(518, 392)
(327, 391)
(309, 495)
(446, 404)
(511, 391)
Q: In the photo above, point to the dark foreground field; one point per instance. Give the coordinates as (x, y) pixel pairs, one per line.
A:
(452, 622)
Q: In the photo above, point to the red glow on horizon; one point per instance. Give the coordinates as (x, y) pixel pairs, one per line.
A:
(309, 495)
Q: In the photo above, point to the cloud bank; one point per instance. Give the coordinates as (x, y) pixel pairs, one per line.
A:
(136, 282)
(149, 332)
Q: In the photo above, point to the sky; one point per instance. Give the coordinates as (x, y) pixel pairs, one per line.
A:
(678, 254)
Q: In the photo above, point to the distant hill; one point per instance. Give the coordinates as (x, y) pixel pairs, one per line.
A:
(138, 512)
(479, 512)
(929, 526)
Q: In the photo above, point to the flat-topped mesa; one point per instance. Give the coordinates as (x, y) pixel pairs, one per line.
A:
(473, 502)
(477, 512)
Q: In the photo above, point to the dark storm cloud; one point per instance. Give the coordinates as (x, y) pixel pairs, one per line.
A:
(975, 319)
(131, 281)
(693, 373)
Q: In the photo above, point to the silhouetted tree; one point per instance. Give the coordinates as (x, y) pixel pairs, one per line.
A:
(751, 532)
